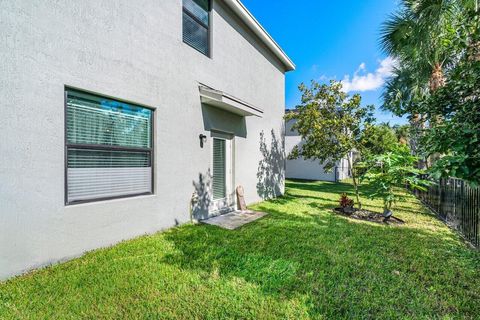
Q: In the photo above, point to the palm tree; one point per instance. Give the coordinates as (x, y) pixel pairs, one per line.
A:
(420, 36)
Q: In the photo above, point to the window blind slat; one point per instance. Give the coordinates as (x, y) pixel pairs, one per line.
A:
(195, 34)
(91, 183)
(84, 158)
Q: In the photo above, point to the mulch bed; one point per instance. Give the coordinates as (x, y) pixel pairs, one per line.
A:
(367, 215)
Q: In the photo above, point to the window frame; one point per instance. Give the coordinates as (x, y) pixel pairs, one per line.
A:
(201, 23)
(68, 146)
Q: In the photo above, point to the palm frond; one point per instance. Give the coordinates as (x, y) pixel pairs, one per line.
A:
(421, 37)
(404, 88)
(396, 33)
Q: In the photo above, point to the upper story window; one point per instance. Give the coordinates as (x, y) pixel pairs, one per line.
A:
(196, 24)
(109, 148)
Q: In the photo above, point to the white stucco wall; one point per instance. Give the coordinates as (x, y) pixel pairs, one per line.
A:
(304, 169)
(130, 50)
(309, 169)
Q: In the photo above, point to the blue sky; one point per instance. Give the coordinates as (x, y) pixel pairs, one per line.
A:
(331, 40)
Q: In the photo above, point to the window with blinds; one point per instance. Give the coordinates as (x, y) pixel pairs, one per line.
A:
(196, 23)
(109, 148)
(219, 169)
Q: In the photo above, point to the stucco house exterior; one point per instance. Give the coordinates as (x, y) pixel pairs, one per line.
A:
(115, 114)
(309, 169)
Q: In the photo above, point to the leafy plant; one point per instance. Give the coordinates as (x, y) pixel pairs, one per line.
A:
(345, 201)
(392, 170)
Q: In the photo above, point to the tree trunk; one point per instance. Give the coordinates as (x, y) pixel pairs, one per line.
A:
(437, 80)
(414, 123)
(474, 51)
(354, 178)
(417, 123)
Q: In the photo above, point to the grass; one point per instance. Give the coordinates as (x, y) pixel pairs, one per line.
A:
(301, 261)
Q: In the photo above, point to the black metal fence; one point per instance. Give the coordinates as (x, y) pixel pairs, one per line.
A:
(456, 203)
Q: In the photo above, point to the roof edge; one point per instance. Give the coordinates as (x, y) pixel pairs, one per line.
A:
(239, 8)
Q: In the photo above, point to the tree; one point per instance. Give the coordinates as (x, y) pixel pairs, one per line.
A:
(421, 37)
(457, 137)
(394, 169)
(377, 139)
(426, 38)
(330, 124)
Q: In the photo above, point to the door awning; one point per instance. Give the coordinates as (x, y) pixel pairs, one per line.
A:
(227, 102)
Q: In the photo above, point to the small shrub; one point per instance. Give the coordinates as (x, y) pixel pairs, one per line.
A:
(345, 201)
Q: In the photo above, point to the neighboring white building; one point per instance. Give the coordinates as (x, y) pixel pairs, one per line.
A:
(309, 169)
(115, 112)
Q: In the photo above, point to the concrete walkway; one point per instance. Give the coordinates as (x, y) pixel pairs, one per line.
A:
(235, 219)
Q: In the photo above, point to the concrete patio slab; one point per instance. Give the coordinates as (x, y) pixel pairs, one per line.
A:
(235, 219)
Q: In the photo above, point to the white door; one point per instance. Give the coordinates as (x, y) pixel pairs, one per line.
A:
(223, 199)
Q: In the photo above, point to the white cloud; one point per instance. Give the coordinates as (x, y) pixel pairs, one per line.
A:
(368, 81)
(323, 78)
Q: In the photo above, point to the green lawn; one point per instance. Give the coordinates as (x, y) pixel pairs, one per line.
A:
(301, 261)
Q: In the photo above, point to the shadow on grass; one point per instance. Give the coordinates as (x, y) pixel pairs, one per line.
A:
(344, 268)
